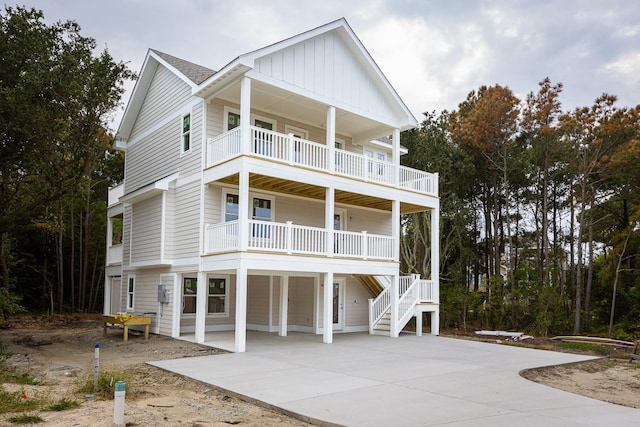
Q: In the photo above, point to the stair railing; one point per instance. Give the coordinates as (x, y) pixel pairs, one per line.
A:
(378, 307)
(407, 302)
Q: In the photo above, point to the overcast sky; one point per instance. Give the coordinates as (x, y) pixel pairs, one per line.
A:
(433, 52)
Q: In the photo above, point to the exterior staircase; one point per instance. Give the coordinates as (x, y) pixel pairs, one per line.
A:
(415, 296)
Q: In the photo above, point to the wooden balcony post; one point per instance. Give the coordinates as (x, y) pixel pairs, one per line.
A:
(365, 245)
(243, 210)
(396, 157)
(331, 138)
(329, 212)
(289, 237)
(435, 252)
(245, 115)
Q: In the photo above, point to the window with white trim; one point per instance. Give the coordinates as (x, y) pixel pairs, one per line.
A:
(217, 295)
(131, 285)
(186, 133)
(189, 293)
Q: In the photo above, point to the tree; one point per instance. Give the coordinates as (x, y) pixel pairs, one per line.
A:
(55, 100)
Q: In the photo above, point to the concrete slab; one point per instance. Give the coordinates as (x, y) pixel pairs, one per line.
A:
(366, 380)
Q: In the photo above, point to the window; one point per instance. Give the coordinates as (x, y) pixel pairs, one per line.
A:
(189, 292)
(231, 208)
(217, 294)
(261, 212)
(339, 145)
(186, 133)
(233, 120)
(130, 292)
(376, 161)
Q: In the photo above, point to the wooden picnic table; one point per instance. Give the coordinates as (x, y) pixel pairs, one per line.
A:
(127, 320)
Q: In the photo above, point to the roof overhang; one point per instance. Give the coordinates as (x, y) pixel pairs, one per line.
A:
(150, 190)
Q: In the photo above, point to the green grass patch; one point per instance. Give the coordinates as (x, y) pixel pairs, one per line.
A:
(63, 405)
(26, 419)
(107, 380)
(15, 402)
(582, 346)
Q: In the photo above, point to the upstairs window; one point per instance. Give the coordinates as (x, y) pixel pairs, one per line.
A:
(186, 133)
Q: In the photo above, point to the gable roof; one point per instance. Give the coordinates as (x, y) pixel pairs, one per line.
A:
(205, 81)
(194, 72)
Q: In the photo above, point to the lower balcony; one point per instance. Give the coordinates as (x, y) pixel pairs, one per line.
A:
(289, 238)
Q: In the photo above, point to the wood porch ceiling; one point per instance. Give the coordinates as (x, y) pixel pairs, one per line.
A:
(295, 188)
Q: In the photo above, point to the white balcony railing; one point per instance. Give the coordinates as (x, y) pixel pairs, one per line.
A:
(301, 152)
(114, 194)
(291, 238)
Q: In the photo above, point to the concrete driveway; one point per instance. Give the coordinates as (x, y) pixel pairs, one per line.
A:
(366, 380)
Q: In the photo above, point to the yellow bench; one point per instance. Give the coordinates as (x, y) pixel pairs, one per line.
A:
(126, 320)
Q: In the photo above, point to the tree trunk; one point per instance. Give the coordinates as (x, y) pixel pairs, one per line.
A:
(587, 295)
(4, 266)
(577, 325)
(60, 258)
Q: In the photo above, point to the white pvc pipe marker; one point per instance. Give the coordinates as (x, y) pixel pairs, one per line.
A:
(118, 403)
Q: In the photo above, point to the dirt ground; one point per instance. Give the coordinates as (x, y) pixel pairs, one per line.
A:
(60, 355)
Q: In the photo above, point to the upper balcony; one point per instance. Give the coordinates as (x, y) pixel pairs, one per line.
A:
(297, 152)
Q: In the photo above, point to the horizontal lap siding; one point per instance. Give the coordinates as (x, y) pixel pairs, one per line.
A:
(356, 305)
(307, 212)
(146, 230)
(186, 221)
(374, 222)
(157, 154)
(301, 301)
(258, 300)
(126, 234)
(146, 297)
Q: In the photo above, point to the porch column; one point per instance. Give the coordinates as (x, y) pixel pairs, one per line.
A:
(395, 228)
(245, 114)
(176, 309)
(327, 308)
(106, 306)
(395, 153)
(435, 267)
(395, 286)
(201, 306)
(243, 209)
(241, 310)
(329, 212)
(284, 306)
(419, 324)
(435, 252)
(331, 137)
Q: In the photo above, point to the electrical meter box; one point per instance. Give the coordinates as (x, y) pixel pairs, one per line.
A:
(163, 293)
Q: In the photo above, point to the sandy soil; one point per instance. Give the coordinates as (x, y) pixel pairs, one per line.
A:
(60, 353)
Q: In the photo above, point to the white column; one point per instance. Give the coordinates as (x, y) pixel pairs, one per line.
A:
(241, 310)
(395, 228)
(106, 306)
(284, 306)
(395, 286)
(201, 306)
(396, 156)
(435, 252)
(419, 324)
(245, 114)
(243, 209)
(331, 137)
(435, 268)
(435, 321)
(329, 212)
(327, 308)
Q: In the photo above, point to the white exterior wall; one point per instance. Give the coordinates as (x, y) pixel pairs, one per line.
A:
(325, 66)
(185, 222)
(145, 230)
(258, 301)
(356, 304)
(300, 302)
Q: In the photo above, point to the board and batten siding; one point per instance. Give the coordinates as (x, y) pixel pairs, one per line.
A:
(146, 230)
(324, 65)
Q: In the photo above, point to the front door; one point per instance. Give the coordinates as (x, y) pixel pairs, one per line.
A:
(338, 303)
